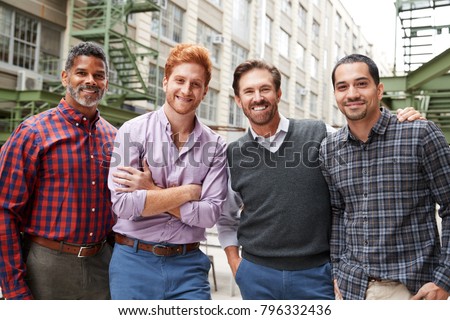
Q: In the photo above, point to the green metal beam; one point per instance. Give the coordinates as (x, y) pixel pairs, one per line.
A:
(428, 71)
(396, 84)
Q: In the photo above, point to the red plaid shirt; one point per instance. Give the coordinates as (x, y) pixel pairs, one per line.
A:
(53, 172)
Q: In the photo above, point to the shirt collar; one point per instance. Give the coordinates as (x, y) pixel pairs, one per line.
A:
(162, 117)
(74, 116)
(379, 128)
(282, 126)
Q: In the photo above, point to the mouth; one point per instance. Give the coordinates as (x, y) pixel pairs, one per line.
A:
(184, 99)
(354, 104)
(89, 90)
(259, 108)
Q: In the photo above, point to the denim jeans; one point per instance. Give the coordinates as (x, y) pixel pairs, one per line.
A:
(258, 282)
(141, 275)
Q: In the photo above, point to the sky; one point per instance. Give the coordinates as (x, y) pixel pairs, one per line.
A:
(377, 21)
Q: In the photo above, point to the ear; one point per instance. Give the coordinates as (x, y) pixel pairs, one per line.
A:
(206, 91)
(164, 83)
(64, 78)
(238, 101)
(278, 95)
(380, 90)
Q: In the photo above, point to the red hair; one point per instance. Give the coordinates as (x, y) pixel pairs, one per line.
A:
(188, 53)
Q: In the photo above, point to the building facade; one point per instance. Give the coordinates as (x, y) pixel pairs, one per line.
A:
(303, 38)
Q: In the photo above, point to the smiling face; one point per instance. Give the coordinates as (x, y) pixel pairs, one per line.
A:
(357, 95)
(86, 83)
(185, 88)
(258, 98)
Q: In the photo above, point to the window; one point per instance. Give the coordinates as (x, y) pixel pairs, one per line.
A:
(315, 32)
(301, 17)
(300, 93)
(284, 87)
(208, 107)
(337, 52)
(268, 30)
(283, 44)
(216, 2)
(286, 6)
(300, 56)
(205, 36)
(155, 85)
(235, 117)
(241, 16)
(238, 55)
(171, 22)
(325, 59)
(313, 103)
(29, 43)
(337, 23)
(314, 67)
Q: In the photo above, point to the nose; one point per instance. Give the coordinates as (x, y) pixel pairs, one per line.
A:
(186, 88)
(90, 79)
(257, 96)
(352, 92)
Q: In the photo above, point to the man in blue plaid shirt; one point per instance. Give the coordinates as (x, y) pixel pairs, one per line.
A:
(385, 179)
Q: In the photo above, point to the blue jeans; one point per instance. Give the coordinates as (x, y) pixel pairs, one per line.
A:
(258, 282)
(141, 275)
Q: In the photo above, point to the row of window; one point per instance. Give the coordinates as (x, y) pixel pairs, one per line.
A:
(36, 46)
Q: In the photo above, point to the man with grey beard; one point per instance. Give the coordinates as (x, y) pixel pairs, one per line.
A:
(55, 209)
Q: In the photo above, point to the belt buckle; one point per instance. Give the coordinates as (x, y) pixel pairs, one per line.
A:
(81, 250)
(158, 246)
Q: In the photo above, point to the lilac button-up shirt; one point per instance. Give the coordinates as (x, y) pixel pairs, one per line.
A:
(202, 160)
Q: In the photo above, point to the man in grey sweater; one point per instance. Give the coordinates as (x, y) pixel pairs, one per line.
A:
(278, 207)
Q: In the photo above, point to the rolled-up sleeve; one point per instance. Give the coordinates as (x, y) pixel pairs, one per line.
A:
(204, 213)
(126, 152)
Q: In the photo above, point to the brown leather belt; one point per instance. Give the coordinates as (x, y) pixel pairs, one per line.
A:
(158, 249)
(85, 250)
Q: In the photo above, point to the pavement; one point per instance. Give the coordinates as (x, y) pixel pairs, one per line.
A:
(226, 288)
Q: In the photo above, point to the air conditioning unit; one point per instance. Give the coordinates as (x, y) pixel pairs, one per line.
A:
(162, 4)
(218, 39)
(303, 91)
(28, 80)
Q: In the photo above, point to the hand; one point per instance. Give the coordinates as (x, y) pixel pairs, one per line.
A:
(337, 292)
(133, 179)
(409, 114)
(234, 265)
(431, 291)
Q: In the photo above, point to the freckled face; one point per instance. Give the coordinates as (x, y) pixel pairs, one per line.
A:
(185, 88)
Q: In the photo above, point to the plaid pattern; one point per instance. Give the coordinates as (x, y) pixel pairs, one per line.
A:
(53, 173)
(383, 193)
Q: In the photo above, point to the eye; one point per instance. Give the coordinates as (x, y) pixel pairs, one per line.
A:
(341, 87)
(362, 84)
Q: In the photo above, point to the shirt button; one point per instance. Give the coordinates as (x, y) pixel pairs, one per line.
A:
(93, 182)
(364, 171)
(77, 124)
(93, 209)
(366, 242)
(84, 119)
(365, 195)
(91, 234)
(92, 156)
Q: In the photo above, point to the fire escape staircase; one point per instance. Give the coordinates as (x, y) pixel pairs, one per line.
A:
(104, 22)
